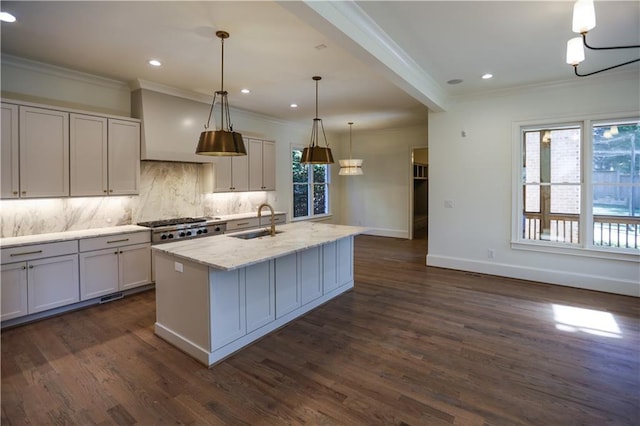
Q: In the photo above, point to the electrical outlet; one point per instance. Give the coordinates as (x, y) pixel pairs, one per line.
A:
(491, 253)
(178, 267)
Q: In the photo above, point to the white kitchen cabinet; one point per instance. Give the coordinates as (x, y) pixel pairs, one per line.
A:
(13, 290)
(88, 140)
(228, 308)
(309, 274)
(124, 157)
(231, 174)
(44, 152)
(114, 263)
(337, 258)
(9, 156)
(287, 285)
(52, 282)
(262, 171)
(260, 295)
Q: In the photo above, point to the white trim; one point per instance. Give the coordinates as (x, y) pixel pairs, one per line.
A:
(386, 232)
(549, 276)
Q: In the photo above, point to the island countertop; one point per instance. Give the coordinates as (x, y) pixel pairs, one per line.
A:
(226, 252)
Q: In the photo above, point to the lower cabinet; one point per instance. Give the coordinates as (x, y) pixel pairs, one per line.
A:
(241, 301)
(39, 285)
(122, 266)
(337, 264)
(299, 280)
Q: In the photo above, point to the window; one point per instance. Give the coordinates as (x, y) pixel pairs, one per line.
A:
(579, 185)
(310, 187)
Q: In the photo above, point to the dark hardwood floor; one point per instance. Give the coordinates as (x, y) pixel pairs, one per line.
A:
(409, 345)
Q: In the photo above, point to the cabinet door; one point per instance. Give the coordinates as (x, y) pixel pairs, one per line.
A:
(98, 273)
(222, 166)
(9, 179)
(287, 288)
(13, 282)
(87, 155)
(260, 295)
(52, 282)
(134, 266)
(255, 164)
(240, 173)
(228, 315)
(268, 166)
(44, 152)
(330, 266)
(345, 260)
(309, 273)
(124, 157)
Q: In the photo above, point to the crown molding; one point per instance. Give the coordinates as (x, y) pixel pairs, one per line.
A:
(61, 72)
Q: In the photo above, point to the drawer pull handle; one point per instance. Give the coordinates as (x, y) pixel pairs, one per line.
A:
(118, 241)
(24, 253)
(242, 223)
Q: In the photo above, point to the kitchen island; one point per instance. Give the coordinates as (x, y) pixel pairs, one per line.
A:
(216, 295)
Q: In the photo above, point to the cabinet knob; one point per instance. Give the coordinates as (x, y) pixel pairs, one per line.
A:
(30, 266)
(24, 192)
(24, 267)
(105, 191)
(111, 190)
(115, 252)
(15, 192)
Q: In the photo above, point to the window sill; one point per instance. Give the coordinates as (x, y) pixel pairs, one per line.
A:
(627, 255)
(316, 218)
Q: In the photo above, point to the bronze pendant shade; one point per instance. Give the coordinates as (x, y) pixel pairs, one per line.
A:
(314, 153)
(223, 142)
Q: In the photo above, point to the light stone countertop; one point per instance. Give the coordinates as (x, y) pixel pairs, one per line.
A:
(227, 253)
(227, 217)
(69, 235)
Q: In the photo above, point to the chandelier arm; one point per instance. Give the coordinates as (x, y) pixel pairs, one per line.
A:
(323, 134)
(584, 41)
(206, 126)
(314, 133)
(575, 68)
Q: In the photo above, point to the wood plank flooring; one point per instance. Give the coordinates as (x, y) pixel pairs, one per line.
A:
(410, 345)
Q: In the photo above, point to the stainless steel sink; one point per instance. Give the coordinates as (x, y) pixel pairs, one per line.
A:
(254, 234)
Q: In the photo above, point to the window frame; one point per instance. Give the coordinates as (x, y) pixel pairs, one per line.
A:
(310, 186)
(585, 246)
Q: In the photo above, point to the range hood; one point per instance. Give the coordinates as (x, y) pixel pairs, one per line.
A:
(171, 126)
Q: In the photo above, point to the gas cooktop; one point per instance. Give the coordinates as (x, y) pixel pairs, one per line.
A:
(175, 221)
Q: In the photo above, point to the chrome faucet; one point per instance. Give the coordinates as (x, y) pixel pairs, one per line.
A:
(273, 217)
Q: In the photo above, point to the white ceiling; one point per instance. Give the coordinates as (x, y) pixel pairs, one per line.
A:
(276, 47)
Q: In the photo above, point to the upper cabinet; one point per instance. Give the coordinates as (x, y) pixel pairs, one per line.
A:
(44, 152)
(254, 172)
(60, 153)
(262, 162)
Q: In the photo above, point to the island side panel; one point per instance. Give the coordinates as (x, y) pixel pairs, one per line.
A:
(182, 304)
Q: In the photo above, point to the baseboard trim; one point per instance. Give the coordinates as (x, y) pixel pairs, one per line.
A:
(549, 276)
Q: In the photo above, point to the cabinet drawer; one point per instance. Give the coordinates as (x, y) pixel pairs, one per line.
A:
(280, 219)
(38, 251)
(116, 240)
(240, 224)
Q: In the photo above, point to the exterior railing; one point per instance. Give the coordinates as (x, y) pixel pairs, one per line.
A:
(608, 231)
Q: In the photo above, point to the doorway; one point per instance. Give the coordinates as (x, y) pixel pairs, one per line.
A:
(420, 181)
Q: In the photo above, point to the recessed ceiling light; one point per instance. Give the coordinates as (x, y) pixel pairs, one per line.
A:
(455, 81)
(487, 76)
(7, 17)
(154, 62)
(245, 91)
(294, 105)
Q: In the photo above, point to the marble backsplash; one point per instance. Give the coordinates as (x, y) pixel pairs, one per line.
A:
(167, 190)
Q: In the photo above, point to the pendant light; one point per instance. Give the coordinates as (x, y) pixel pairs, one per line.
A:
(352, 166)
(314, 153)
(223, 142)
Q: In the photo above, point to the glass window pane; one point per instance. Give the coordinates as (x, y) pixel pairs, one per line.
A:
(565, 199)
(319, 173)
(616, 200)
(320, 199)
(532, 157)
(300, 200)
(299, 171)
(565, 156)
(532, 198)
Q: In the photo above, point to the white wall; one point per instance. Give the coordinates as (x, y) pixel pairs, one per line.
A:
(380, 198)
(474, 172)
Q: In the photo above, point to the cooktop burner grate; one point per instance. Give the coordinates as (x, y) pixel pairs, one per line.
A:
(169, 222)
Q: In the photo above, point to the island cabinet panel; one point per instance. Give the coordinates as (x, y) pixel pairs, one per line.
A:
(337, 263)
(182, 303)
(228, 308)
(309, 273)
(287, 285)
(260, 295)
